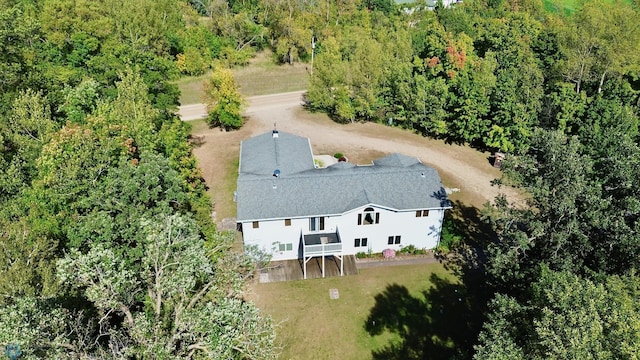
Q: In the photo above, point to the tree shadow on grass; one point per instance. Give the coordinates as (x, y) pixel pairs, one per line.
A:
(440, 324)
(444, 321)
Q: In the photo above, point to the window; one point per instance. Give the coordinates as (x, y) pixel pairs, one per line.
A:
(316, 224)
(393, 240)
(422, 213)
(287, 222)
(256, 224)
(358, 242)
(368, 217)
(285, 247)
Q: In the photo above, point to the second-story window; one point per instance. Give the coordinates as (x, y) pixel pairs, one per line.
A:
(369, 216)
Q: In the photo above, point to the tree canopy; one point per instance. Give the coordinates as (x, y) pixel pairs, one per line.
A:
(107, 247)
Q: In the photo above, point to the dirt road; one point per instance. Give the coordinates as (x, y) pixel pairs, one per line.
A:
(459, 166)
(192, 112)
(261, 103)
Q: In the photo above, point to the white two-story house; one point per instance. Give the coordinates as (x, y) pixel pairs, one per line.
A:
(293, 210)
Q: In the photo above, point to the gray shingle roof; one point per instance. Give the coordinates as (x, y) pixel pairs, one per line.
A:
(396, 181)
(263, 154)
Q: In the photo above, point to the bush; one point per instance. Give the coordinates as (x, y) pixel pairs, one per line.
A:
(362, 255)
(412, 250)
(338, 155)
(449, 237)
(388, 253)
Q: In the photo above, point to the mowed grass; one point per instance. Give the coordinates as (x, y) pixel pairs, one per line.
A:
(261, 77)
(568, 7)
(313, 326)
(192, 89)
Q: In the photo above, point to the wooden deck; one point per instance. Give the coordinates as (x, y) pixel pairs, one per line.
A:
(292, 269)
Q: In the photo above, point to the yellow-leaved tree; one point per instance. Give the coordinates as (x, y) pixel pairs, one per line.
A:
(224, 101)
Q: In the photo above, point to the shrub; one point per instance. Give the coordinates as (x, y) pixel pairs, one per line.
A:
(388, 253)
(361, 255)
(449, 237)
(338, 155)
(412, 250)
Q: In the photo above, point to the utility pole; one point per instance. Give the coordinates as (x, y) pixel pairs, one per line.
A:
(313, 46)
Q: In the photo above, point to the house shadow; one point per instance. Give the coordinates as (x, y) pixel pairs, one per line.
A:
(444, 321)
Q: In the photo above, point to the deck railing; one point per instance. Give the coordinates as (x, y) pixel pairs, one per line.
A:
(323, 249)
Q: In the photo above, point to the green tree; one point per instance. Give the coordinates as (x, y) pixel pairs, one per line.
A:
(602, 39)
(18, 53)
(22, 135)
(80, 101)
(185, 310)
(30, 246)
(39, 328)
(224, 100)
(567, 317)
(329, 74)
(385, 6)
(583, 212)
(552, 227)
(289, 25)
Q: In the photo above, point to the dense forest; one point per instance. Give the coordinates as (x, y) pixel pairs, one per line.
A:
(108, 249)
(107, 245)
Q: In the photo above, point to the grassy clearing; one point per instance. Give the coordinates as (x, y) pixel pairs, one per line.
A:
(568, 7)
(191, 89)
(220, 171)
(198, 126)
(407, 299)
(261, 77)
(226, 207)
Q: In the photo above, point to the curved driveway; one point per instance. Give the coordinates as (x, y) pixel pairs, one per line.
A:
(460, 166)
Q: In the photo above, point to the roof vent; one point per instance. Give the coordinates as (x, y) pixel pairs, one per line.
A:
(276, 173)
(274, 133)
(274, 186)
(422, 174)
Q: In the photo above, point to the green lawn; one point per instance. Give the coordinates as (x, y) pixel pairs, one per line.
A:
(568, 6)
(386, 310)
(264, 77)
(191, 89)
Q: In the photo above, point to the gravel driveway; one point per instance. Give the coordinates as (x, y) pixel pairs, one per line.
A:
(459, 166)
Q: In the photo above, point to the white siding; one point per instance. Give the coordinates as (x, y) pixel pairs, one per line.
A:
(421, 232)
(272, 233)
